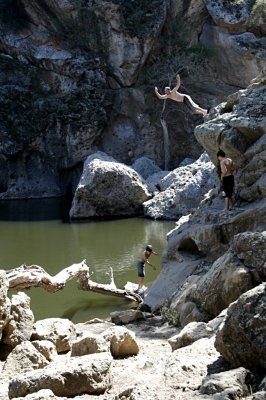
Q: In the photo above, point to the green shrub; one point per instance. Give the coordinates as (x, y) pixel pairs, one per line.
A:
(138, 15)
(169, 315)
(174, 55)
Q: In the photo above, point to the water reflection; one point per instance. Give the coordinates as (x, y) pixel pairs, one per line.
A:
(39, 236)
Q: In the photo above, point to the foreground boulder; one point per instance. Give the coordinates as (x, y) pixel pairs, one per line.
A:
(59, 331)
(75, 376)
(122, 342)
(232, 383)
(241, 339)
(108, 188)
(4, 302)
(88, 343)
(23, 358)
(20, 324)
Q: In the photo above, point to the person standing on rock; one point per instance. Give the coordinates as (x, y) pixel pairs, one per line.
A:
(141, 265)
(175, 95)
(227, 169)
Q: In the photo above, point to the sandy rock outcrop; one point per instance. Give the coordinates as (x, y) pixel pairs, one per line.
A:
(190, 334)
(44, 394)
(46, 348)
(59, 331)
(23, 358)
(241, 338)
(122, 342)
(108, 188)
(180, 367)
(5, 304)
(78, 375)
(21, 320)
(88, 343)
(233, 383)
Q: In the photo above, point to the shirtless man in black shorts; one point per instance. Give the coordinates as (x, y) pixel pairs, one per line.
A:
(227, 178)
(180, 97)
(141, 263)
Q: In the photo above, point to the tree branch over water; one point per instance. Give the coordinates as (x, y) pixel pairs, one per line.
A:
(26, 277)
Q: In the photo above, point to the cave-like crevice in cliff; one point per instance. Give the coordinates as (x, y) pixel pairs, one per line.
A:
(189, 247)
(12, 15)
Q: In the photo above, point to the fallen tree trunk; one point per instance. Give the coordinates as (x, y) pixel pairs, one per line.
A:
(26, 277)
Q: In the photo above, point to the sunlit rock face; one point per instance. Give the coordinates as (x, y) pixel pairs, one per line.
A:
(237, 32)
(75, 80)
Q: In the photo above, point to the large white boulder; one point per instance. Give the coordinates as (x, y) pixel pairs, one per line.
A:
(182, 190)
(108, 188)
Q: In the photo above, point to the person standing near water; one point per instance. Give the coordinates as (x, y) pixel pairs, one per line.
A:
(141, 265)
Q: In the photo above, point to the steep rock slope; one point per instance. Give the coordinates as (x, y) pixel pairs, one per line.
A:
(199, 243)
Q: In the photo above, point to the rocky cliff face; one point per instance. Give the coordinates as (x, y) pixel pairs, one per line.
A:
(77, 77)
(212, 255)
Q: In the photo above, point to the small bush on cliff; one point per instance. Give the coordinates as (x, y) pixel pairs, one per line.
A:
(12, 15)
(174, 54)
(169, 315)
(258, 11)
(139, 15)
(82, 32)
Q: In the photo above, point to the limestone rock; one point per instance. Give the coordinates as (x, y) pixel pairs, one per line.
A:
(226, 280)
(46, 348)
(44, 394)
(5, 304)
(205, 232)
(250, 249)
(126, 317)
(127, 53)
(59, 331)
(236, 16)
(239, 129)
(145, 167)
(19, 327)
(108, 188)
(191, 333)
(182, 190)
(241, 338)
(237, 32)
(122, 342)
(88, 343)
(23, 358)
(262, 385)
(233, 382)
(153, 181)
(79, 375)
(185, 368)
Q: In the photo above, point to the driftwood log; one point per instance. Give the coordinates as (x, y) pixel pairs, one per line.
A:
(26, 277)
